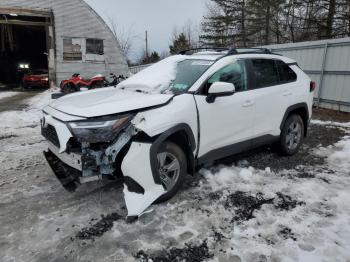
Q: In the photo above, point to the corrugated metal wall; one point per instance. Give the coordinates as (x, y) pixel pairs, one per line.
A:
(328, 63)
(136, 69)
(74, 18)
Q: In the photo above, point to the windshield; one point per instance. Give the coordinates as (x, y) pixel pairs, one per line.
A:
(187, 73)
(175, 74)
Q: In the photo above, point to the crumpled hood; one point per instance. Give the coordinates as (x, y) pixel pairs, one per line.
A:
(107, 101)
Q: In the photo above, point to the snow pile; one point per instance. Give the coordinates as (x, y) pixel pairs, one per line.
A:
(12, 120)
(341, 157)
(8, 94)
(330, 123)
(155, 78)
(40, 101)
(312, 223)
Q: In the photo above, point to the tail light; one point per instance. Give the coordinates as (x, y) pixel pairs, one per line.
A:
(312, 86)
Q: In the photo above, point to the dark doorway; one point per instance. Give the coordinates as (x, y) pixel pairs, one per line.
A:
(23, 49)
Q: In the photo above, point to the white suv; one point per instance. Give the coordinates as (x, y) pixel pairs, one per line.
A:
(166, 121)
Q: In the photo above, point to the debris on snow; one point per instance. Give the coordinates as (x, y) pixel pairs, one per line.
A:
(284, 202)
(99, 228)
(286, 232)
(190, 253)
(245, 204)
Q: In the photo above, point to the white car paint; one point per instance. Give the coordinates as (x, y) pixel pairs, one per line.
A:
(61, 129)
(181, 110)
(71, 159)
(219, 87)
(48, 110)
(225, 122)
(106, 101)
(229, 120)
(142, 173)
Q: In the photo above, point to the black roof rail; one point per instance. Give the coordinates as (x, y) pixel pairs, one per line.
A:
(230, 51)
(253, 50)
(193, 50)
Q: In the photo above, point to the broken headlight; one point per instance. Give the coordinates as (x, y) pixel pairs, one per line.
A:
(99, 130)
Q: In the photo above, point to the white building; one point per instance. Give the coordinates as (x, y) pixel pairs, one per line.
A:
(64, 36)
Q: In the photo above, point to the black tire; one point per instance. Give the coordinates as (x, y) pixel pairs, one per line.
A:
(177, 152)
(24, 86)
(69, 88)
(97, 84)
(291, 138)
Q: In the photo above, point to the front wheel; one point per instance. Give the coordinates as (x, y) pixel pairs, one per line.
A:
(97, 84)
(69, 88)
(172, 169)
(292, 135)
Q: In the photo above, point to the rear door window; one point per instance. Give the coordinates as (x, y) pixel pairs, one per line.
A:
(265, 72)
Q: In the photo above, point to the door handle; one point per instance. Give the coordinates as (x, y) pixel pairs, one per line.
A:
(248, 103)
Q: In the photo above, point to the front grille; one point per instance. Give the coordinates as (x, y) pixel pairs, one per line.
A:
(50, 134)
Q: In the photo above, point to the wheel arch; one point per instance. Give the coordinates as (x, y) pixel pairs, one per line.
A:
(182, 135)
(300, 109)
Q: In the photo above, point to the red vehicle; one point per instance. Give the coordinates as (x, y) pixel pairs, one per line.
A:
(36, 78)
(76, 82)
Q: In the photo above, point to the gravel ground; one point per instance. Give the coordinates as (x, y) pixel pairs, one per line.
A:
(256, 206)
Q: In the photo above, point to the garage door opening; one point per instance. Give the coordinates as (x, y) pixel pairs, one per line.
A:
(23, 49)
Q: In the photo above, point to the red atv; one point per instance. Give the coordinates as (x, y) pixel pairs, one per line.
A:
(76, 82)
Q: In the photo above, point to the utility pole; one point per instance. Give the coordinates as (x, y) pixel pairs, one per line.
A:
(146, 43)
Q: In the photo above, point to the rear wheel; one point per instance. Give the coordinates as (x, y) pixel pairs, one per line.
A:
(172, 169)
(292, 135)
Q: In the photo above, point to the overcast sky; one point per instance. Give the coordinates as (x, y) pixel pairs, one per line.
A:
(158, 17)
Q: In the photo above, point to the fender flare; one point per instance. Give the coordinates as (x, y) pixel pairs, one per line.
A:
(164, 136)
(292, 108)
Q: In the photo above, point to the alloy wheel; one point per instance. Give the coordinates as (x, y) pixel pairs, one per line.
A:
(169, 169)
(294, 134)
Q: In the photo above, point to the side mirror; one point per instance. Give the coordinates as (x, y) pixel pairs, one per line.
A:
(218, 89)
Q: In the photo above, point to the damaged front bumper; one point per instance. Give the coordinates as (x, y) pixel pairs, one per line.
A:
(74, 166)
(68, 176)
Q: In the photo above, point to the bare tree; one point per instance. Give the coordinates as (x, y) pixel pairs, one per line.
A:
(125, 36)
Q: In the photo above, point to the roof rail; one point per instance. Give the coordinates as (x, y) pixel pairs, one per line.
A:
(253, 50)
(193, 50)
(230, 51)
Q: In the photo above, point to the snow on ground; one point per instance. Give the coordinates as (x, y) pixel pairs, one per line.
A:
(7, 94)
(333, 123)
(256, 206)
(12, 120)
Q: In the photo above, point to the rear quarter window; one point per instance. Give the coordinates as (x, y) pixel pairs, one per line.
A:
(285, 72)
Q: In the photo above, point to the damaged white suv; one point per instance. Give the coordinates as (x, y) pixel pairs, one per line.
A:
(166, 121)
